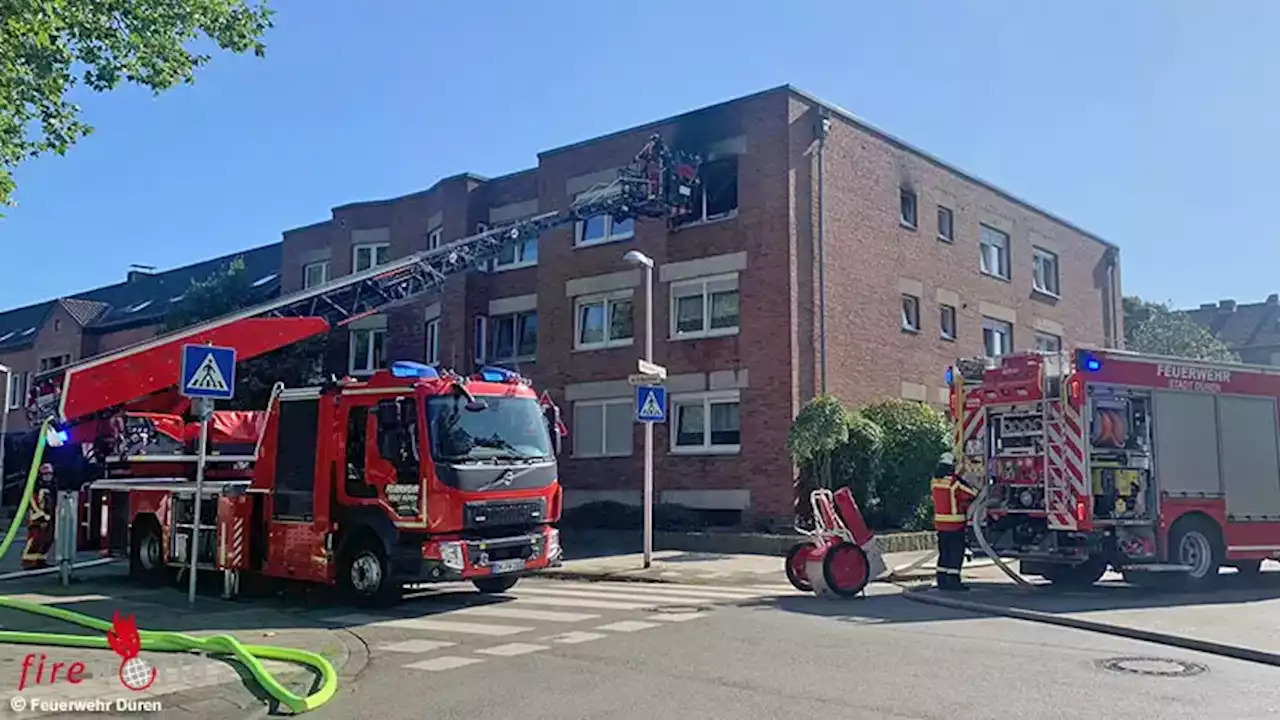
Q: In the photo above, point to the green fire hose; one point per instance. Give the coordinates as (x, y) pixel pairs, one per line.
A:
(250, 656)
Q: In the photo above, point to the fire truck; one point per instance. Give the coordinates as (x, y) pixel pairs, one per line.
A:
(417, 474)
(1164, 469)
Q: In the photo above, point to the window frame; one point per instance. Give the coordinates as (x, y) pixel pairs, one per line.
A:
(1040, 334)
(995, 325)
(608, 299)
(16, 394)
(44, 367)
(372, 354)
(702, 217)
(496, 265)
(325, 270)
(1040, 256)
(905, 195)
(706, 400)
(373, 248)
(1005, 271)
(707, 331)
(431, 340)
(942, 322)
(910, 308)
(603, 404)
(435, 238)
(580, 232)
(517, 326)
(950, 235)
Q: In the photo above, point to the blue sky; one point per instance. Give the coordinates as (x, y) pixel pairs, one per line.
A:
(1150, 123)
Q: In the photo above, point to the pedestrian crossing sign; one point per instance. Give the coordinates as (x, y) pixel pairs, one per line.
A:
(651, 404)
(208, 372)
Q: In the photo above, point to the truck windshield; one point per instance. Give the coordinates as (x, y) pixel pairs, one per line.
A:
(507, 429)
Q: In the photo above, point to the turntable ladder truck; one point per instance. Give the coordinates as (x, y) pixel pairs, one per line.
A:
(415, 474)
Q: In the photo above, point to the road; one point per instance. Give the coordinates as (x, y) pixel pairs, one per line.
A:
(609, 650)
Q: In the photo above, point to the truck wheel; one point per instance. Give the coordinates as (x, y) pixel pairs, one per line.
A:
(365, 575)
(845, 569)
(146, 553)
(496, 584)
(1082, 575)
(1194, 541)
(797, 558)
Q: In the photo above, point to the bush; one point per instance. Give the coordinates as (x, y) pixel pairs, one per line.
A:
(915, 435)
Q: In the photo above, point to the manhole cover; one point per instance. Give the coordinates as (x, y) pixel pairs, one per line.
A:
(678, 609)
(1165, 667)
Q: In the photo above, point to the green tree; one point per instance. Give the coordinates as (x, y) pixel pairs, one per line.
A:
(1153, 328)
(224, 291)
(914, 437)
(50, 47)
(834, 448)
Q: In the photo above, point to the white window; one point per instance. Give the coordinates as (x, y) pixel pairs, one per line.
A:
(316, 273)
(433, 341)
(706, 423)
(1045, 277)
(947, 319)
(602, 428)
(17, 389)
(602, 321)
(513, 336)
(907, 207)
(367, 351)
(997, 337)
(603, 229)
(910, 313)
(946, 224)
(53, 362)
(369, 255)
(1046, 342)
(717, 195)
(518, 255)
(435, 238)
(995, 252)
(707, 307)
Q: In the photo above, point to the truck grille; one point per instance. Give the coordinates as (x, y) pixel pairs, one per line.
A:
(499, 514)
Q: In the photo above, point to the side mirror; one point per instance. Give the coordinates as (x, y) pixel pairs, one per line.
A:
(552, 415)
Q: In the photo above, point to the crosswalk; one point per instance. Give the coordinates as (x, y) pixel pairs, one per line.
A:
(451, 627)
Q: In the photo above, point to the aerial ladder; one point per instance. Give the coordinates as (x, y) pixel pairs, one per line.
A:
(658, 184)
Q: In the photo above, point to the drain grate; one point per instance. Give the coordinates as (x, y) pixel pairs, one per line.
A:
(1153, 666)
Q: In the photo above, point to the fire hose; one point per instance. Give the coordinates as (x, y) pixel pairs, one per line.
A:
(977, 511)
(250, 656)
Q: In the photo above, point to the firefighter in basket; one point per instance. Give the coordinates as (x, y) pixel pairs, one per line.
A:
(951, 499)
(40, 520)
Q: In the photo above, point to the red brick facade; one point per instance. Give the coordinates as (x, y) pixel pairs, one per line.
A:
(766, 246)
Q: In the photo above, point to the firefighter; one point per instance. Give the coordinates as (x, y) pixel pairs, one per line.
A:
(951, 498)
(40, 520)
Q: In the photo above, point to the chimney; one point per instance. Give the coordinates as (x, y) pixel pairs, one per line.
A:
(1273, 299)
(137, 272)
(1227, 305)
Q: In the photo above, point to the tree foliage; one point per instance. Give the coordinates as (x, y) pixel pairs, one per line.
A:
(48, 48)
(915, 436)
(225, 291)
(1153, 328)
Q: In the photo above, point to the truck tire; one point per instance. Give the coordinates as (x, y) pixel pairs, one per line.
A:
(365, 574)
(146, 553)
(1195, 541)
(1082, 575)
(496, 584)
(797, 557)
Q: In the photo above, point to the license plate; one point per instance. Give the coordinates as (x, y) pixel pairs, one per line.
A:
(506, 566)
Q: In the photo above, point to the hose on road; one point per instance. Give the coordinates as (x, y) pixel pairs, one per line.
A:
(979, 511)
(251, 656)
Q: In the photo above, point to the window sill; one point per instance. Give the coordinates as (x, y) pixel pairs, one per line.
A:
(709, 221)
(947, 240)
(706, 334)
(1045, 293)
(906, 225)
(705, 450)
(994, 276)
(604, 346)
(910, 330)
(948, 338)
(515, 266)
(606, 241)
(361, 373)
(607, 456)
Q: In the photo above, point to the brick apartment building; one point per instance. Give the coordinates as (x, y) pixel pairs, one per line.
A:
(923, 264)
(1252, 330)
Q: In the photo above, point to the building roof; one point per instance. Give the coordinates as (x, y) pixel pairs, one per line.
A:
(1242, 326)
(143, 299)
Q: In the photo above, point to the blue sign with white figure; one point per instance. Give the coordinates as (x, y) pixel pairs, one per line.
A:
(208, 372)
(651, 404)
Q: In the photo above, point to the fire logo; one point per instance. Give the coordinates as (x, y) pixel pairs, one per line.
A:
(135, 673)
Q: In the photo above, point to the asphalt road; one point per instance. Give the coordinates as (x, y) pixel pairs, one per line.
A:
(576, 650)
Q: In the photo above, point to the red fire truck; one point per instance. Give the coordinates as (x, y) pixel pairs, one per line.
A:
(1157, 467)
(416, 474)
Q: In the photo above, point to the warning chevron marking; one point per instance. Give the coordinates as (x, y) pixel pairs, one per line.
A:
(208, 377)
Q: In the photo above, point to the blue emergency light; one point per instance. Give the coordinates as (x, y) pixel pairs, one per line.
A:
(410, 369)
(498, 375)
(950, 376)
(1088, 362)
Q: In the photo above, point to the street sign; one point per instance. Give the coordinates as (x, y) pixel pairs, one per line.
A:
(638, 379)
(647, 368)
(651, 404)
(208, 372)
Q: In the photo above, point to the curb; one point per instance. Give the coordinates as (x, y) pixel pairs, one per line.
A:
(607, 577)
(1210, 647)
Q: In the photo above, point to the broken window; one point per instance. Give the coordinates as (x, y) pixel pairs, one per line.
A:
(718, 193)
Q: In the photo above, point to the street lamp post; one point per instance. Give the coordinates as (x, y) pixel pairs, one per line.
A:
(636, 257)
(4, 422)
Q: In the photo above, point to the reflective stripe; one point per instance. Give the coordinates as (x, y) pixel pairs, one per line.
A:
(948, 571)
(967, 490)
(939, 483)
(948, 518)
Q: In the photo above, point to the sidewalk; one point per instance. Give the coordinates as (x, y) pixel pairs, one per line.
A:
(187, 685)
